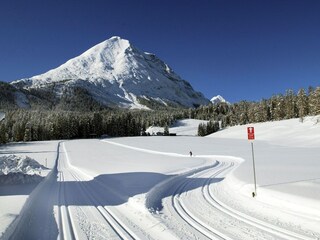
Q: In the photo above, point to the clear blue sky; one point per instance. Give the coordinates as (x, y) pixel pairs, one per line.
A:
(242, 50)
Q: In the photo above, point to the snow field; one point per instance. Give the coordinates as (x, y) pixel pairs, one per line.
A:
(150, 188)
(186, 127)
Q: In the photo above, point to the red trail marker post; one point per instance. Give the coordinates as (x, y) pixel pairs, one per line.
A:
(250, 131)
(251, 137)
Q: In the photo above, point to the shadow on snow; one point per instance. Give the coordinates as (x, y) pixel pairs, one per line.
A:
(38, 220)
(116, 189)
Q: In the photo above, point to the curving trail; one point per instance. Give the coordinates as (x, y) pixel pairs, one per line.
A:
(202, 211)
(188, 216)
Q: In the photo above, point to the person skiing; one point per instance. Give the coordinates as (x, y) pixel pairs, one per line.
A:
(190, 154)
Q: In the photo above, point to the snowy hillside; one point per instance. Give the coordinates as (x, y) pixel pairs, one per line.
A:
(116, 73)
(151, 188)
(290, 132)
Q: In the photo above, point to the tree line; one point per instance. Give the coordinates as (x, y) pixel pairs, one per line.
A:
(278, 107)
(38, 125)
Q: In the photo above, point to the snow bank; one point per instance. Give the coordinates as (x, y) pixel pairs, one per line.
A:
(19, 170)
(15, 164)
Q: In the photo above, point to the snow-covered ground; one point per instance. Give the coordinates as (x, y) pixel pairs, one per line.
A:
(13, 197)
(150, 188)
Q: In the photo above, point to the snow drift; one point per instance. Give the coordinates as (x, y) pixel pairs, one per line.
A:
(19, 170)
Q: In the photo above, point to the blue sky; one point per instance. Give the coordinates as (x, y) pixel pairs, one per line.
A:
(242, 50)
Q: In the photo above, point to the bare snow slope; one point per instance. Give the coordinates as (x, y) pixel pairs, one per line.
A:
(286, 154)
(290, 132)
(118, 74)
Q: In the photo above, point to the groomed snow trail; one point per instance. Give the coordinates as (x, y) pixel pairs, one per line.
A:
(196, 209)
(91, 221)
(70, 204)
(64, 207)
(200, 209)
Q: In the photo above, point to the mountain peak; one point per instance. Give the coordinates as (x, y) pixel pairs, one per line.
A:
(117, 73)
(116, 42)
(218, 99)
(115, 38)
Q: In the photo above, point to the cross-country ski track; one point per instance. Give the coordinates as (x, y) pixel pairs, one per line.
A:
(189, 204)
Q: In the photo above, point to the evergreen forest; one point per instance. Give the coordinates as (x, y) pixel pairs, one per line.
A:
(39, 124)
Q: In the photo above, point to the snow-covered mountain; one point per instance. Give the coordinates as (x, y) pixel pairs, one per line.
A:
(115, 73)
(218, 99)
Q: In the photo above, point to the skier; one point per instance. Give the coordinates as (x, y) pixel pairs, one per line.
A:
(190, 154)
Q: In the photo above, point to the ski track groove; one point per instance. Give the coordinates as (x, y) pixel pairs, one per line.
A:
(67, 230)
(203, 228)
(188, 217)
(122, 231)
(273, 229)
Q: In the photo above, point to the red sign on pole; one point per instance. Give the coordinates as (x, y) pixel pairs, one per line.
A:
(250, 133)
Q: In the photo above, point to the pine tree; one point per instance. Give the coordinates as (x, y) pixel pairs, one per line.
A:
(290, 104)
(314, 101)
(201, 130)
(17, 132)
(3, 134)
(166, 130)
(27, 133)
(279, 108)
(302, 104)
